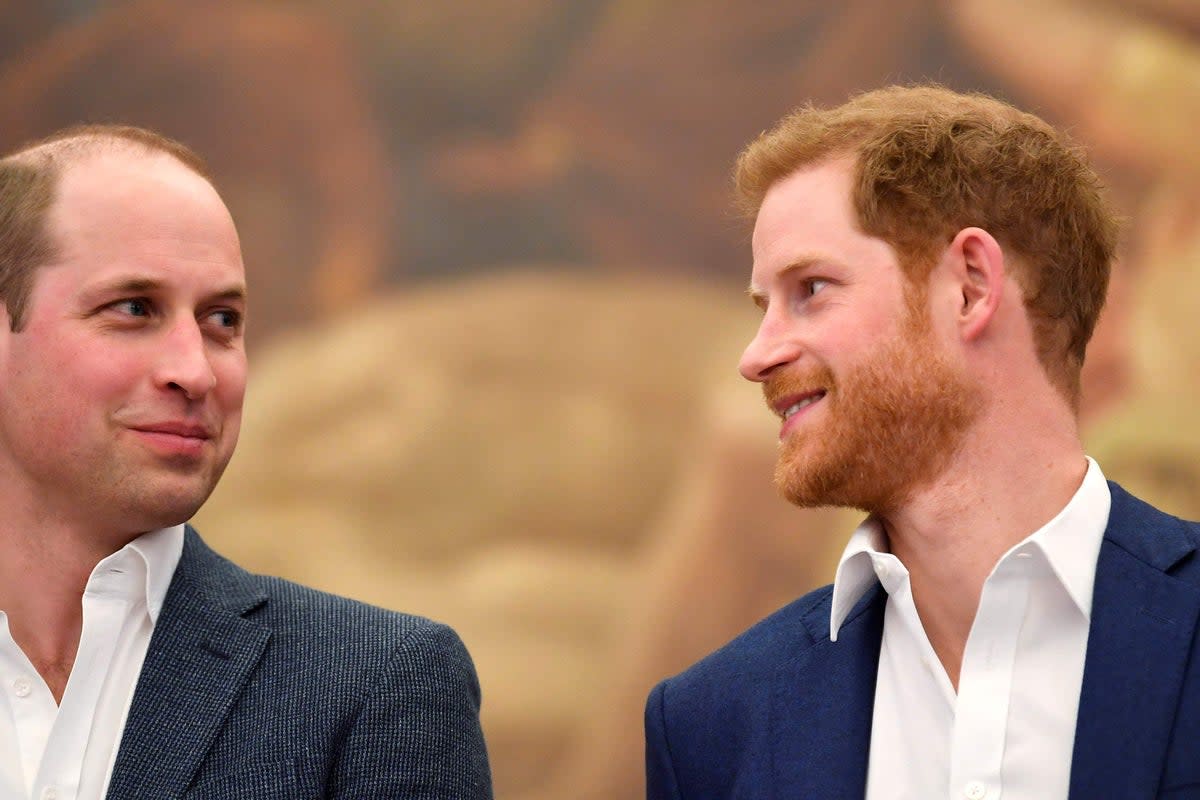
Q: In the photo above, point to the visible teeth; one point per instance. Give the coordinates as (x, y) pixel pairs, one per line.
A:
(808, 401)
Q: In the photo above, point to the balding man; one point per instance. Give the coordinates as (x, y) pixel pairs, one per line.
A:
(134, 661)
(1006, 624)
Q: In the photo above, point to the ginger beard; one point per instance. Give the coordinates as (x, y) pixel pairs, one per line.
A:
(890, 424)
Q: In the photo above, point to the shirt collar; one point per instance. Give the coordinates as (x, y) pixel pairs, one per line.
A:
(1070, 542)
(145, 565)
(856, 571)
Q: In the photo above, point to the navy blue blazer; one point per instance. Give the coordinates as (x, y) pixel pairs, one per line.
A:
(254, 687)
(782, 712)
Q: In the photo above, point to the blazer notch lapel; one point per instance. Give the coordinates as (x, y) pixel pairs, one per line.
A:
(823, 706)
(199, 660)
(1143, 625)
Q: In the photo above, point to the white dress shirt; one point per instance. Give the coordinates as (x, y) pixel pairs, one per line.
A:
(53, 752)
(1010, 731)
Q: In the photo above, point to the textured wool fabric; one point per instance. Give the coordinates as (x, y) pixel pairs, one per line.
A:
(255, 687)
(783, 712)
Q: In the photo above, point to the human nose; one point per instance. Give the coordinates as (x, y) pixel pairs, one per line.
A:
(771, 347)
(184, 363)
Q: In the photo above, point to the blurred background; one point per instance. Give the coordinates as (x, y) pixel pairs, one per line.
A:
(497, 297)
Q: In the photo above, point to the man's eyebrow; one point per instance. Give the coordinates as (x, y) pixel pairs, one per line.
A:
(126, 285)
(235, 291)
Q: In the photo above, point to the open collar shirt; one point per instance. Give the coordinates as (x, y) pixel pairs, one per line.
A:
(1009, 731)
(66, 752)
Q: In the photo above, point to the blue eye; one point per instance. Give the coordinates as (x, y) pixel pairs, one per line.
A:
(135, 307)
(227, 318)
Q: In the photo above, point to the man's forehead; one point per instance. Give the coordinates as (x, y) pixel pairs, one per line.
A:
(149, 188)
(807, 204)
(810, 188)
(127, 281)
(143, 217)
(113, 173)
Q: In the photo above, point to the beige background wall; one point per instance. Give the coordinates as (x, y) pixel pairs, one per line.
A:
(496, 291)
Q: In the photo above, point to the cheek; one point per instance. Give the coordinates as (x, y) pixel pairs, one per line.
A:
(231, 382)
(858, 341)
(73, 374)
(66, 409)
(108, 380)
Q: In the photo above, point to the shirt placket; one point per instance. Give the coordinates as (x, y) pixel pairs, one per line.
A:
(32, 708)
(105, 610)
(985, 684)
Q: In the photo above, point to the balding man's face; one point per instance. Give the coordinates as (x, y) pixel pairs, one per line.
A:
(121, 398)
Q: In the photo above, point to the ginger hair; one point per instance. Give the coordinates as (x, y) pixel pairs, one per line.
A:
(929, 162)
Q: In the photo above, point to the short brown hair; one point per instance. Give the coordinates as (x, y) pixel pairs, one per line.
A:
(29, 179)
(930, 162)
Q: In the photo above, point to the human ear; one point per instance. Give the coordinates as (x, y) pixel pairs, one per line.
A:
(977, 264)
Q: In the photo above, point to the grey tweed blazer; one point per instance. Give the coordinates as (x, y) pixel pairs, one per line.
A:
(255, 687)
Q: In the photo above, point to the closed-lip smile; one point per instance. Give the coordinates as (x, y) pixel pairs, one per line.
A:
(187, 430)
(175, 439)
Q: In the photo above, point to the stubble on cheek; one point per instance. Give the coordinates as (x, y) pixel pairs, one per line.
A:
(890, 426)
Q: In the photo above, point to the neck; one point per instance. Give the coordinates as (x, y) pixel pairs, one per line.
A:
(996, 492)
(44, 568)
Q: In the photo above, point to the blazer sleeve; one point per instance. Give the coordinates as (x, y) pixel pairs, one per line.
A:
(417, 735)
(661, 783)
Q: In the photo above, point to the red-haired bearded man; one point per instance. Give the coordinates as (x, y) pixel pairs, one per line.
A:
(1005, 624)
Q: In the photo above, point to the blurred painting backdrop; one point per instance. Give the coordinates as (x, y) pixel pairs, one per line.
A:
(497, 297)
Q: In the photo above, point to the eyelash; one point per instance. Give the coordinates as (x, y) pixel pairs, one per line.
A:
(235, 317)
(147, 309)
(806, 290)
(131, 301)
(808, 285)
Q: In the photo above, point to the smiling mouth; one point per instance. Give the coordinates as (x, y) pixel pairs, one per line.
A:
(800, 405)
(182, 430)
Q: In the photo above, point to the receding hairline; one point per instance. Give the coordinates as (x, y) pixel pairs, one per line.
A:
(30, 184)
(72, 146)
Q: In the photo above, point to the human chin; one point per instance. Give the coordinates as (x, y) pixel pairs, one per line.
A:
(170, 493)
(816, 468)
(892, 425)
(162, 503)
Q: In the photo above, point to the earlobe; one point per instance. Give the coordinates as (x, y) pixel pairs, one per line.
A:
(980, 273)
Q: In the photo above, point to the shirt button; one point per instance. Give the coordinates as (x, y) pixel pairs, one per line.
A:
(974, 790)
(22, 686)
(50, 793)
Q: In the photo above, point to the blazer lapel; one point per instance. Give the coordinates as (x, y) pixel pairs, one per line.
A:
(824, 703)
(1143, 622)
(200, 655)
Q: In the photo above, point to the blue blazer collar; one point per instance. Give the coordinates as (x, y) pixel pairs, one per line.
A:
(1143, 623)
(201, 653)
(823, 704)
